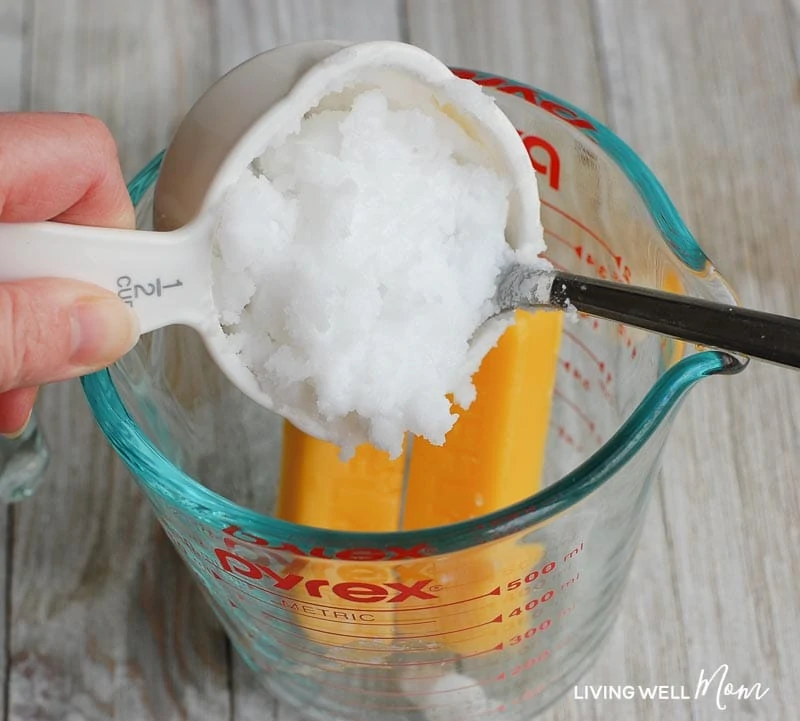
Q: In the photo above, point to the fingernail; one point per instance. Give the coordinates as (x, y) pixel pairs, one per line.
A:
(16, 434)
(103, 330)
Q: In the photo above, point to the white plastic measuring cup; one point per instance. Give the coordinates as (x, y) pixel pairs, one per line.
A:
(166, 276)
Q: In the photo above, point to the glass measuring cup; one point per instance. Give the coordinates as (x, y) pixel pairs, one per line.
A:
(490, 618)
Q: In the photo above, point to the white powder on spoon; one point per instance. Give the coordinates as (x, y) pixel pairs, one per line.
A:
(352, 272)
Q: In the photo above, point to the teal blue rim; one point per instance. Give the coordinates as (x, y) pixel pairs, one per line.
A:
(163, 479)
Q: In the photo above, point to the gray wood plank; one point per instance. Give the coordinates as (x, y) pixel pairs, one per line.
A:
(549, 45)
(243, 29)
(12, 43)
(12, 50)
(106, 623)
(707, 94)
(138, 68)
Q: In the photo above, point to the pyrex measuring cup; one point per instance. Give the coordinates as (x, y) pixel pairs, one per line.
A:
(492, 618)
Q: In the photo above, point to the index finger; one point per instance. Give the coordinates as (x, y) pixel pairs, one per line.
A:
(61, 166)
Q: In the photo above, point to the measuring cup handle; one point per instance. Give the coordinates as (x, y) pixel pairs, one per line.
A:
(164, 277)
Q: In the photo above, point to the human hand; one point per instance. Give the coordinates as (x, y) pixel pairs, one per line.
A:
(59, 167)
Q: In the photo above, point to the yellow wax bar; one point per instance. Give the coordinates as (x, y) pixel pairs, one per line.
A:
(362, 494)
(333, 612)
(318, 489)
(494, 454)
(493, 457)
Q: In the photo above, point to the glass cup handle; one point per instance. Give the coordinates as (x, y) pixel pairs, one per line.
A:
(23, 462)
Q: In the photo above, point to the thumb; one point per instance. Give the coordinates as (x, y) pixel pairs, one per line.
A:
(53, 329)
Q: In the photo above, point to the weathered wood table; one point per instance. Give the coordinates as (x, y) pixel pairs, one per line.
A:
(101, 619)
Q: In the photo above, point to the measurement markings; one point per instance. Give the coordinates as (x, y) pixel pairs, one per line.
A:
(575, 407)
(580, 225)
(385, 664)
(398, 637)
(361, 621)
(578, 342)
(350, 649)
(557, 265)
(560, 238)
(412, 694)
(429, 709)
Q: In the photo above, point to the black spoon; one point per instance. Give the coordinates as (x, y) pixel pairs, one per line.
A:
(752, 333)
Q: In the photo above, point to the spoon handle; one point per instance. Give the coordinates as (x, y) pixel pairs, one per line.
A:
(160, 275)
(765, 336)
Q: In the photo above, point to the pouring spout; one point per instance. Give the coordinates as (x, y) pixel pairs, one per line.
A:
(733, 364)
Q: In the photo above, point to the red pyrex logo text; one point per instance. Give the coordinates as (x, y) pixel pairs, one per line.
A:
(235, 536)
(353, 591)
(544, 156)
(527, 93)
(551, 169)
